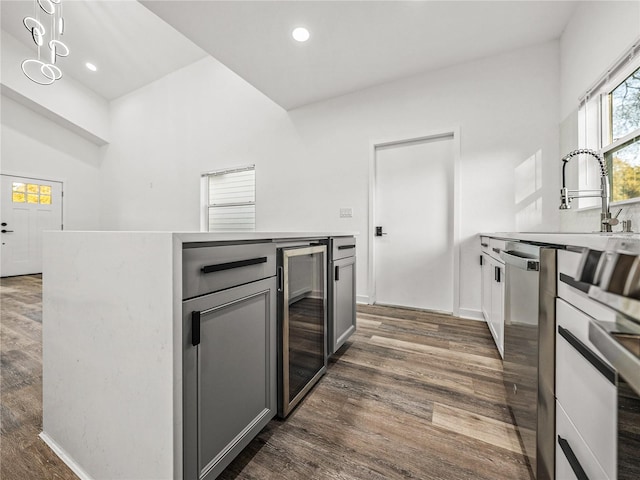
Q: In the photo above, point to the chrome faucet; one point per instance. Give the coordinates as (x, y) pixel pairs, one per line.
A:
(566, 195)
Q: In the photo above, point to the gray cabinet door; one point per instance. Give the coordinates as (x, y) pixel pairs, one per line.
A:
(230, 376)
(344, 302)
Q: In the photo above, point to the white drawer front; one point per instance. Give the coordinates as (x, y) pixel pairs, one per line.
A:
(568, 265)
(576, 447)
(585, 393)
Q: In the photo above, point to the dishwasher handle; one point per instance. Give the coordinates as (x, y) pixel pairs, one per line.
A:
(512, 258)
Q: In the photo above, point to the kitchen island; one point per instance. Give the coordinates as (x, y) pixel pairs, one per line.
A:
(114, 340)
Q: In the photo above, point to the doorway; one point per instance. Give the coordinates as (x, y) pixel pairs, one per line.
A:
(28, 207)
(414, 249)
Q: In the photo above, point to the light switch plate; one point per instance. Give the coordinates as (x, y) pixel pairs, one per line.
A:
(346, 212)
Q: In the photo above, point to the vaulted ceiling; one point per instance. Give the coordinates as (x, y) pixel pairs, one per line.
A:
(353, 44)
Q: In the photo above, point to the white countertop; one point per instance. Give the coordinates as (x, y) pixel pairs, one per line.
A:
(240, 236)
(596, 241)
(187, 237)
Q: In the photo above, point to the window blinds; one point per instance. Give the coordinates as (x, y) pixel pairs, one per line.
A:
(232, 198)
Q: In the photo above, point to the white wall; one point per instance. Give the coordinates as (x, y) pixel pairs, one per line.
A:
(194, 120)
(506, 108)
(34, 146)
(67, 102)
(314, 160)
(596, 36)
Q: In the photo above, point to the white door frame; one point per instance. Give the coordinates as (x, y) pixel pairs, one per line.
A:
(373, 145)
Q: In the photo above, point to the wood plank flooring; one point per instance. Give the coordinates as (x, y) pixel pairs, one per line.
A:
(412, 395)
(23, 456)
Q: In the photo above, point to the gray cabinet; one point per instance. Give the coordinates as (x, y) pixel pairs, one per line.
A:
(342, 292)
(229, 376)
(344, 305)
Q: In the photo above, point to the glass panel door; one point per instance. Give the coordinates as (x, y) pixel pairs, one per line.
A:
(304, 320)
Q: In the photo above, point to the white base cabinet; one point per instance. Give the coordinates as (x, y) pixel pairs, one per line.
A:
(586, 422)
(493, 289)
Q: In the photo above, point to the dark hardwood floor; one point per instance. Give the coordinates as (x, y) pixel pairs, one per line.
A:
(22, 454)
(412, 395)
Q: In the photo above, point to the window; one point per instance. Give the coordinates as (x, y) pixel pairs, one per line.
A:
(230, 199)
(622, 151)
(609, 117)
(31, 193)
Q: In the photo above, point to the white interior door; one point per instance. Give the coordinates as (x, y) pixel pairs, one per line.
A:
(28, 207)
(414, 206)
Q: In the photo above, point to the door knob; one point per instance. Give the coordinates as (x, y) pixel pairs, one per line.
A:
(379, 232)
(6, 231)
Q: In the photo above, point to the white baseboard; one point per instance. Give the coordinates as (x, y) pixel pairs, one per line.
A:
(66, 458)
(363, 299)
(470, 314)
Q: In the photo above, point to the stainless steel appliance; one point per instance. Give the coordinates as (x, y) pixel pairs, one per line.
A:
(302, 322)
(612, 278)
(529, 346)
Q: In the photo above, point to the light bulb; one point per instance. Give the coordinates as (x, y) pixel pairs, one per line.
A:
(300, 34)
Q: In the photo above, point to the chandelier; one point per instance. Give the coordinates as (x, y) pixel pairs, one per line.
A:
(43, 70)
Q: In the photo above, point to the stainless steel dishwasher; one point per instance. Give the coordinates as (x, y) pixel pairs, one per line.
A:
(529, 350)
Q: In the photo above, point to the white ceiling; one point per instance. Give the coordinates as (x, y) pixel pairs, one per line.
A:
(130, 46)
(355, 44)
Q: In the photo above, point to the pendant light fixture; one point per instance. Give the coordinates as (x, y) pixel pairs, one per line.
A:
(46, 27)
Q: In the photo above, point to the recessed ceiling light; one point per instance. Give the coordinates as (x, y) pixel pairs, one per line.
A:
(300, 34)
(91, 66)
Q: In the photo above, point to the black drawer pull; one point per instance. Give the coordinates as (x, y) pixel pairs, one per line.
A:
(195, 328)
(608, 372)
(572, 459)
(497, 250)
(484, 244)
(346, 247)
(582, 286)
(229, 265)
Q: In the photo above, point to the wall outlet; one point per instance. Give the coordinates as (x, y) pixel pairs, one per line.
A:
(346, 212)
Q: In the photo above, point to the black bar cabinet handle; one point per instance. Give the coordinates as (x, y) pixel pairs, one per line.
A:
(496, 274)
(337, 273)
(280, 274)
(592, 358)
(345, 247)
(497, 250)
(195, 328)
(481, 260)
(484, 244)
(229, 265)
(582, 286)
(572, 459)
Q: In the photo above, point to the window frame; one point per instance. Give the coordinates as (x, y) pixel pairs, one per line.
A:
(595, 118)
(206, 206)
